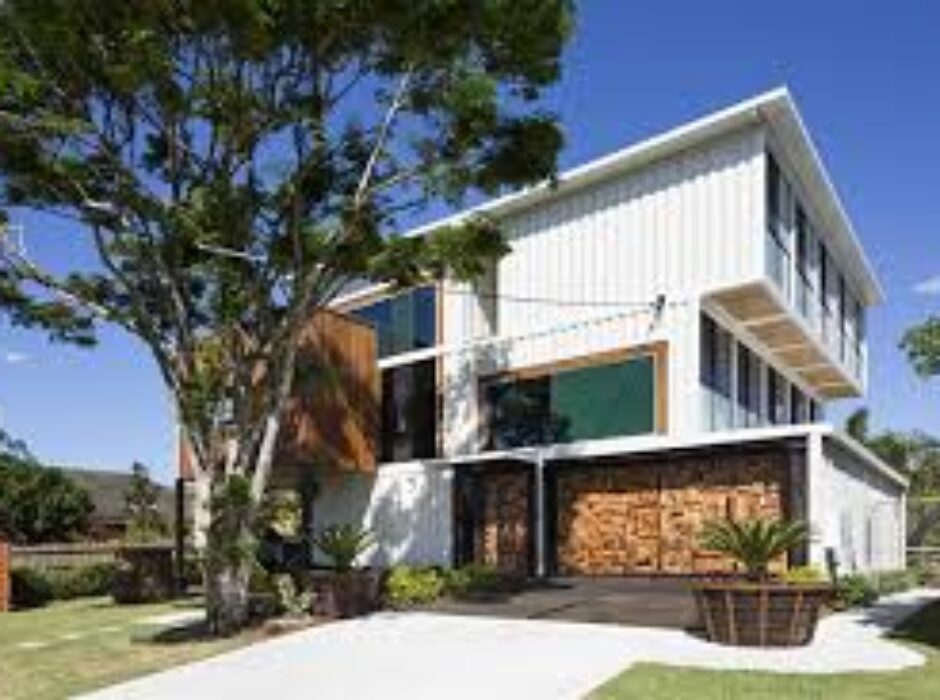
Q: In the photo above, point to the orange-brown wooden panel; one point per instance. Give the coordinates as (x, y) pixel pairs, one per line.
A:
(331, 420)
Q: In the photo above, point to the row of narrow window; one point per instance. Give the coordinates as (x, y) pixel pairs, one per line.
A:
(739, 390)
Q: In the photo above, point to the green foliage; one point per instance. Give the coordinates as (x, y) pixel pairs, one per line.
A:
(38, 503)
(29, 588)
(36, 586)
(755, 543)
(281, 513)
(855, 591)
(474, 579)
(922, 345)
(408, 586)
(231, 536)
(291, 600)
(805, 574)
(142, 503)
(917, 456)
(233, 165)
(856, 425)
(342, 544)
(888, 582)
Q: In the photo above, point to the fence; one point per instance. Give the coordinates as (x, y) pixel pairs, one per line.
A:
(4, 577)
(54, 556)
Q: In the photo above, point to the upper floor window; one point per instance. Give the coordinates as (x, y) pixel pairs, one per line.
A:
(776, 397)
(748, 408)
(405, 322)
(409, 412)
(607, 399)
(715, 373)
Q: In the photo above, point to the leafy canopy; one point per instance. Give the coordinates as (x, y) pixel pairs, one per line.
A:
(145, 521)
(922, 344)
(38, 503)
(234, 164)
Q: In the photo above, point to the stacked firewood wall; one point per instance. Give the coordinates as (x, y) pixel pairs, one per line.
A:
(646, 517)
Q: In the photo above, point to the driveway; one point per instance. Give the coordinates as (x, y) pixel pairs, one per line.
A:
(429, 656)
(418, 656)
(642, 602)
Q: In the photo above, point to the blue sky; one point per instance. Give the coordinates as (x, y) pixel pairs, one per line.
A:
(865, 75)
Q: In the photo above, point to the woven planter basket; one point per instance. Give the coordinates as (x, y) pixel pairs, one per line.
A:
(760, 614)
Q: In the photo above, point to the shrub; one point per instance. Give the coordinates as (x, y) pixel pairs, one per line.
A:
(291, 600)
(342, 544)
(34, 587)
(888, 582)
(29, 588)
(753, 543)
(476, 579)
(82, 581)
(408, 586)
(805, 574)
(855, 591)
(143, 575)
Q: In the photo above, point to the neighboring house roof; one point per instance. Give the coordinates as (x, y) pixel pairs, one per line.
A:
(107, 491)
(776, 110)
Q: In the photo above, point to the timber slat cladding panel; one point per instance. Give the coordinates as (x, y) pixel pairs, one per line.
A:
(505, 528)
(332, 419)
(4, 577)
(645, 517)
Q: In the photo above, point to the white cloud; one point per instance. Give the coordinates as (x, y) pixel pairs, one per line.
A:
(12, 357)
(929, 287)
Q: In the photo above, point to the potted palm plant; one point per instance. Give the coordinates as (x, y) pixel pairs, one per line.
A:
(758, 609)
(344, 590)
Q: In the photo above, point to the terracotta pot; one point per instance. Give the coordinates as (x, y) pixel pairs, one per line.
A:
(345, 594)
(760, 614)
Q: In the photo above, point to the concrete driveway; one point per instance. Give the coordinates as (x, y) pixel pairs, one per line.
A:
(429, 656)
(419, 656)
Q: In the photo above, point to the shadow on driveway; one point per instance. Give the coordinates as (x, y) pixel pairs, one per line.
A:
(643, 602)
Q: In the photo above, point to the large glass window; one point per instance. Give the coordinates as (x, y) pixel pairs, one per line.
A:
(409, 412)
(405, 322)
(799, 406)
(584, 403)
(715, 374)
(776, 397)
(748, 413)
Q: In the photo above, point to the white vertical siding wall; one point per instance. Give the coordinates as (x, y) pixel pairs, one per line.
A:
(856, 511)
(677, 227)
(407, 506)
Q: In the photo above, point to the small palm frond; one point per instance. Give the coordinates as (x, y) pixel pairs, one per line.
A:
(754, 543)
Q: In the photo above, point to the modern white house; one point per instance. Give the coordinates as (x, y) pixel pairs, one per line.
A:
(658, 349)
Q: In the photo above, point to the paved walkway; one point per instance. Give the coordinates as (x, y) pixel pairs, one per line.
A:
(430, 656)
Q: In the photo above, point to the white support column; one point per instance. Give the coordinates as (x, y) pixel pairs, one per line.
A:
(539, 466)
(815, 484)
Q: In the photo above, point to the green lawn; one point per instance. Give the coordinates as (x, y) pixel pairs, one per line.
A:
(80, 645)
(654, 682)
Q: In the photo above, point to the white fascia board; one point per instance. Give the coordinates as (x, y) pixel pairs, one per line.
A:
(788, 127)
(612, 447)
(867, 456)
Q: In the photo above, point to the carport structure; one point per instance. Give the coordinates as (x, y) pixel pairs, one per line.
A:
(635, 506)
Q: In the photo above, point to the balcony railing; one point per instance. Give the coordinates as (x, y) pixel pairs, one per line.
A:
(798, 291)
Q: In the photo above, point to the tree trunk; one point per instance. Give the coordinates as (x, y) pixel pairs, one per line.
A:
(229, 556)
(227, 597)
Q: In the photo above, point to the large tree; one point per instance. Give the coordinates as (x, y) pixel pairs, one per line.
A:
(235, 163)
